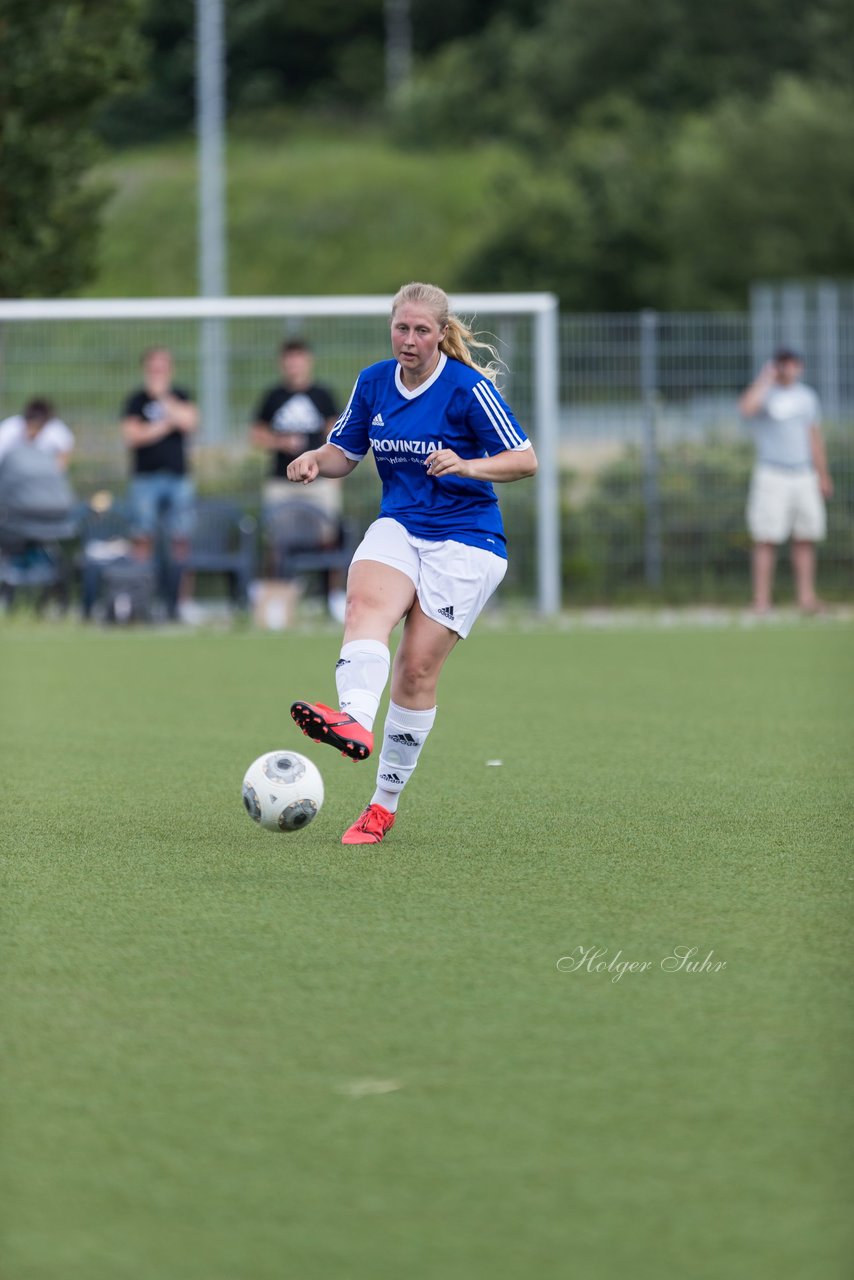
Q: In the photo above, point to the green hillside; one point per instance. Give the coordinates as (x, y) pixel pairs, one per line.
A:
(310, 210)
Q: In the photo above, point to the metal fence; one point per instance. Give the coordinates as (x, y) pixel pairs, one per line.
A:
(654, 460)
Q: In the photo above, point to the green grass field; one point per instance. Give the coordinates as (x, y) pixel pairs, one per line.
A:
(237, 1056)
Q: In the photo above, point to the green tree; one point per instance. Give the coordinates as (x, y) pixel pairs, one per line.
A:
(59, 61)
(529, 82)
(760, 193)
(162, 99)
(477, 89)
(633, 211)
(319, 55)
(672, 56)
(588, 223)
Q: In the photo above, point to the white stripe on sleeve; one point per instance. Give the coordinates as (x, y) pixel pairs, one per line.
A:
(344, 417)
(495, 411)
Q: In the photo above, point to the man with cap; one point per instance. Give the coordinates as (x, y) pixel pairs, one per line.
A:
(790, 478)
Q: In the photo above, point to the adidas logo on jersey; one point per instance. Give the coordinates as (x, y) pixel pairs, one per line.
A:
(404, 739)
(448, 612)
(378, 421)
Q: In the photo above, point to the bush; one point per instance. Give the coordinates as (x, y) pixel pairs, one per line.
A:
(704, 543)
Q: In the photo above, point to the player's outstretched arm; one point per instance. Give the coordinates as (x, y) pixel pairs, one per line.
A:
(328, 461)
(512, 464)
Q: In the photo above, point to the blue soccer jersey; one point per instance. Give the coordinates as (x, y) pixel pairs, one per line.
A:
(456, 408)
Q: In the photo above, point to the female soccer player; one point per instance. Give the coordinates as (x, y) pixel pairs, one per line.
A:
(440, 435)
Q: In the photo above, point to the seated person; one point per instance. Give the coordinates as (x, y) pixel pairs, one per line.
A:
(39, 426)
(36, 516)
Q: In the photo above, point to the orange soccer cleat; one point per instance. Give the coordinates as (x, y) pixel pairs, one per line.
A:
(334, 727)
(370, 827)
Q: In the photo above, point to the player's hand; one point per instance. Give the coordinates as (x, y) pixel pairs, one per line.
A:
(304, 469)
(768, 372)
(826, 486)
(444, 462)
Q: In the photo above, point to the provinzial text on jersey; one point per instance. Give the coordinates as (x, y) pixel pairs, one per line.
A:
(406, 446)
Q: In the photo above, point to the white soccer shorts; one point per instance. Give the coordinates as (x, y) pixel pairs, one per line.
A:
(452, 581)
(783, 504)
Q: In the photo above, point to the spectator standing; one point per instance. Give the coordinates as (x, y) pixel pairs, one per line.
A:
(293, 416)
(790, 479)
(39, 426)
(158, 418)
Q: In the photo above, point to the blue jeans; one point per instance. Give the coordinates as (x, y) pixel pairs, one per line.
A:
(160, 498)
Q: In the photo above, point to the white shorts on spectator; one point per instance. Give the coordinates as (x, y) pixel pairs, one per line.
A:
(785, 504)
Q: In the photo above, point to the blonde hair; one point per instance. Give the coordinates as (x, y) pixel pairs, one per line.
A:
(459, 341)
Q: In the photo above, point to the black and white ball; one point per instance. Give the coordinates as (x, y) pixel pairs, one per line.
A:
(283, 791)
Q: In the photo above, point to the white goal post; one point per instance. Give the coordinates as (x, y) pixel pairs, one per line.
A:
(55, 326)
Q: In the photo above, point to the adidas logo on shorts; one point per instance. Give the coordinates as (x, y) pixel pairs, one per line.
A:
(378, 421)
(448, 612)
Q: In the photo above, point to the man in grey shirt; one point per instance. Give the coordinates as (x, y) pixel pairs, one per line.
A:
(790, 479)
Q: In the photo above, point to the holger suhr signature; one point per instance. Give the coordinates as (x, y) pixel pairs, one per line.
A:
(679, 960)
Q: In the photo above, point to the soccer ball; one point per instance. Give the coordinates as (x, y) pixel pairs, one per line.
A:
(283, 791)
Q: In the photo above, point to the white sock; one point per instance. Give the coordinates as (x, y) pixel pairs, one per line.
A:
(361, 674)
(404, 735)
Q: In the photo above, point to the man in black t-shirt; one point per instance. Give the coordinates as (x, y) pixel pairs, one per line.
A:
(295, 415)
(157, 420)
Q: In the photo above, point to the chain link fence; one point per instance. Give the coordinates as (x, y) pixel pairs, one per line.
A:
(654, 459)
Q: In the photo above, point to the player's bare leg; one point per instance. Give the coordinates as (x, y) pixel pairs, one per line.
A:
(803, 569)
(378, 596)
(763, 560)
(423, 650)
